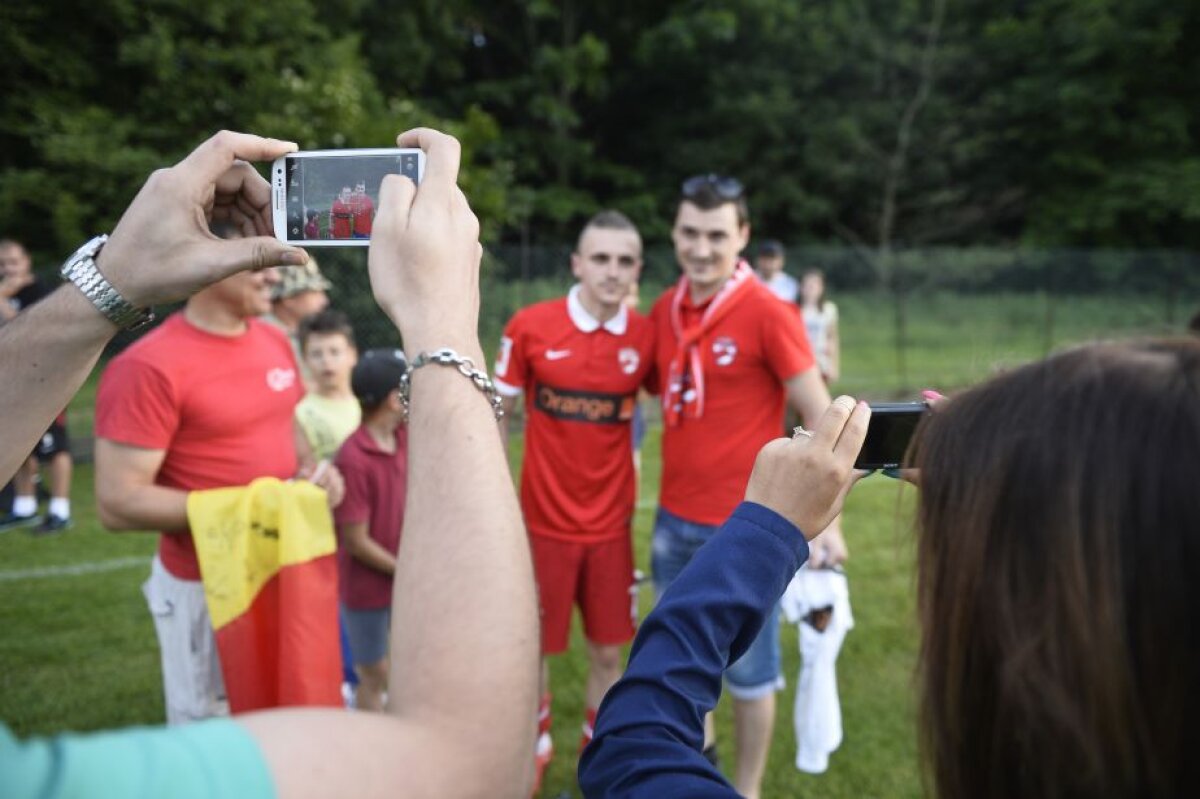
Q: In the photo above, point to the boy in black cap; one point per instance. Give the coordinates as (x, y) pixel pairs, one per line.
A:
(374, 466)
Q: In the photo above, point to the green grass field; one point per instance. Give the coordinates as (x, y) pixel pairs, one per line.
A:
(78, 648)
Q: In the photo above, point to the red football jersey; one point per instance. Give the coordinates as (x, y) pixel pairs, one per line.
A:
(747, 357)
(580, 381)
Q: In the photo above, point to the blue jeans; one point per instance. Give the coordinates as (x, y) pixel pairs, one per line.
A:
(756, 673)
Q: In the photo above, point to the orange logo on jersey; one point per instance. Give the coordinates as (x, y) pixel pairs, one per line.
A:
(584, 406)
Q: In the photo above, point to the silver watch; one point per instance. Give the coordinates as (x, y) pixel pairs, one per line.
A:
(81, 270)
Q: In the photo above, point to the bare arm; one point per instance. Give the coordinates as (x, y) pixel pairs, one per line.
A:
(509, 406)
(835, 353)
(808, 396)
(45, 355)
(126, 495)
(305, 459)
(462, 693)
(356, 538)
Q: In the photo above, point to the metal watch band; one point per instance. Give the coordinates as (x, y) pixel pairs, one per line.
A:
(81, 270)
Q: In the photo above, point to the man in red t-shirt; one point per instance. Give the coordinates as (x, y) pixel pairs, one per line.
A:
(341, 216)
(374, 463)
(729, 354)
(363, 210)
(206, 400)
(579, 361)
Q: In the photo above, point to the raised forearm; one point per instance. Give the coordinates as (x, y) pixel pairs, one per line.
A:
(651, 724)
(464, 556)
(46, 352)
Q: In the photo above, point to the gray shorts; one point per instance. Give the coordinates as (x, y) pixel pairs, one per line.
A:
(368, 634)
(193, 687)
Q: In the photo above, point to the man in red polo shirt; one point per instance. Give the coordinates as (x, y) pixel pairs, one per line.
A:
(579, 362)
(729, 354)
(363, 210)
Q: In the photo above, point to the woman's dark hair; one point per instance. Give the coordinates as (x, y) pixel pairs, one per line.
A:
(1059, 578)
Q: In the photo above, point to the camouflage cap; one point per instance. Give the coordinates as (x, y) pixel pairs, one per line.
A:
(295, 280)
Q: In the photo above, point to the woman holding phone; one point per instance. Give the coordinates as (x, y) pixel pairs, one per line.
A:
(1058, 530)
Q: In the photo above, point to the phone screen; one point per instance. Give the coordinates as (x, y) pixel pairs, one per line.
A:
(891, 429)
(332, 198)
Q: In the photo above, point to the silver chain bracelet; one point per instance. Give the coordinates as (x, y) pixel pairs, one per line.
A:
(466, 368)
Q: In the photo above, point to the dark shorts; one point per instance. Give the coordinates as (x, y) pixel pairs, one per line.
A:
(368, 633)
(53, 440)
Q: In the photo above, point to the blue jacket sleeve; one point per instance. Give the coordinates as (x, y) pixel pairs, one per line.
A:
(650, 728)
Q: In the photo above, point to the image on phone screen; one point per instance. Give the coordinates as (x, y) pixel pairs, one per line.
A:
(334, 199)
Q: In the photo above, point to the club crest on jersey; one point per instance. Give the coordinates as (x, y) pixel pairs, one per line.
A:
(281, 379)
(629, 359)
(724, 351)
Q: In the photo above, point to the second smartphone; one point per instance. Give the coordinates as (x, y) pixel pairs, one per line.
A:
(328, 198)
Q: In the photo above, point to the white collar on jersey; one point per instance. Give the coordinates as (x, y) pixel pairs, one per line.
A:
(588, 323)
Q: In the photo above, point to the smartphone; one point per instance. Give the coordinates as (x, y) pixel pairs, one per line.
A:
(328, 198)
(891, 429)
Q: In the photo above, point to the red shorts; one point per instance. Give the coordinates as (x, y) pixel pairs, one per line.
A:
(599, 577)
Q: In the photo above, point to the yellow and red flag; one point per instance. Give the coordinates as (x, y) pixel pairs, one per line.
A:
(267, 559)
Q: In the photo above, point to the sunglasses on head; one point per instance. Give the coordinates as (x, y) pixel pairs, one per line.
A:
(723, 186)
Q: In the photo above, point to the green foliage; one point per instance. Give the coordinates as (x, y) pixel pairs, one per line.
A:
(1042, 122)
(132, 86)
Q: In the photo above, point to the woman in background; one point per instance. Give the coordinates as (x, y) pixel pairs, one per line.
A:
(821, 323)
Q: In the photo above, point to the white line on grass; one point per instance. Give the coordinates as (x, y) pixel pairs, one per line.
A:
(73, 569)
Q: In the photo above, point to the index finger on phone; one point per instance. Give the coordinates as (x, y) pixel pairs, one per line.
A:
(829, 428)
(442, 156)
(214, 157)
(854, 433)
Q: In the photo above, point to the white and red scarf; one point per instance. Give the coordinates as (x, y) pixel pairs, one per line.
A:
(683, 396)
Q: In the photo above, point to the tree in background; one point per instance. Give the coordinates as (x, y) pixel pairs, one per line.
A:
(100, 94)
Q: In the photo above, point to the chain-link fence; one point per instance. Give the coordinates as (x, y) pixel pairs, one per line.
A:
(942, 317)
(939, 318)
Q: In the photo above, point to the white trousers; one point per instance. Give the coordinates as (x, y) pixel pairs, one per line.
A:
(193, 687)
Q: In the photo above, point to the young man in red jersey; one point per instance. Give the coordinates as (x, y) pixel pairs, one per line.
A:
(341, 215)
(579, 361)
(729, 355)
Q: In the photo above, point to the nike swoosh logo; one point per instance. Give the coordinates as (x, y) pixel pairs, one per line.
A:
(557, 355)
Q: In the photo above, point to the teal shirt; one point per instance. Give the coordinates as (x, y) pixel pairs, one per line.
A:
(206, 759)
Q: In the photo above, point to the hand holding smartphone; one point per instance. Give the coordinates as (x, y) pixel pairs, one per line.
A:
(328, 198)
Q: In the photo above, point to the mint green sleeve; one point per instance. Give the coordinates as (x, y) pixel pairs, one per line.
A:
(207, 759)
